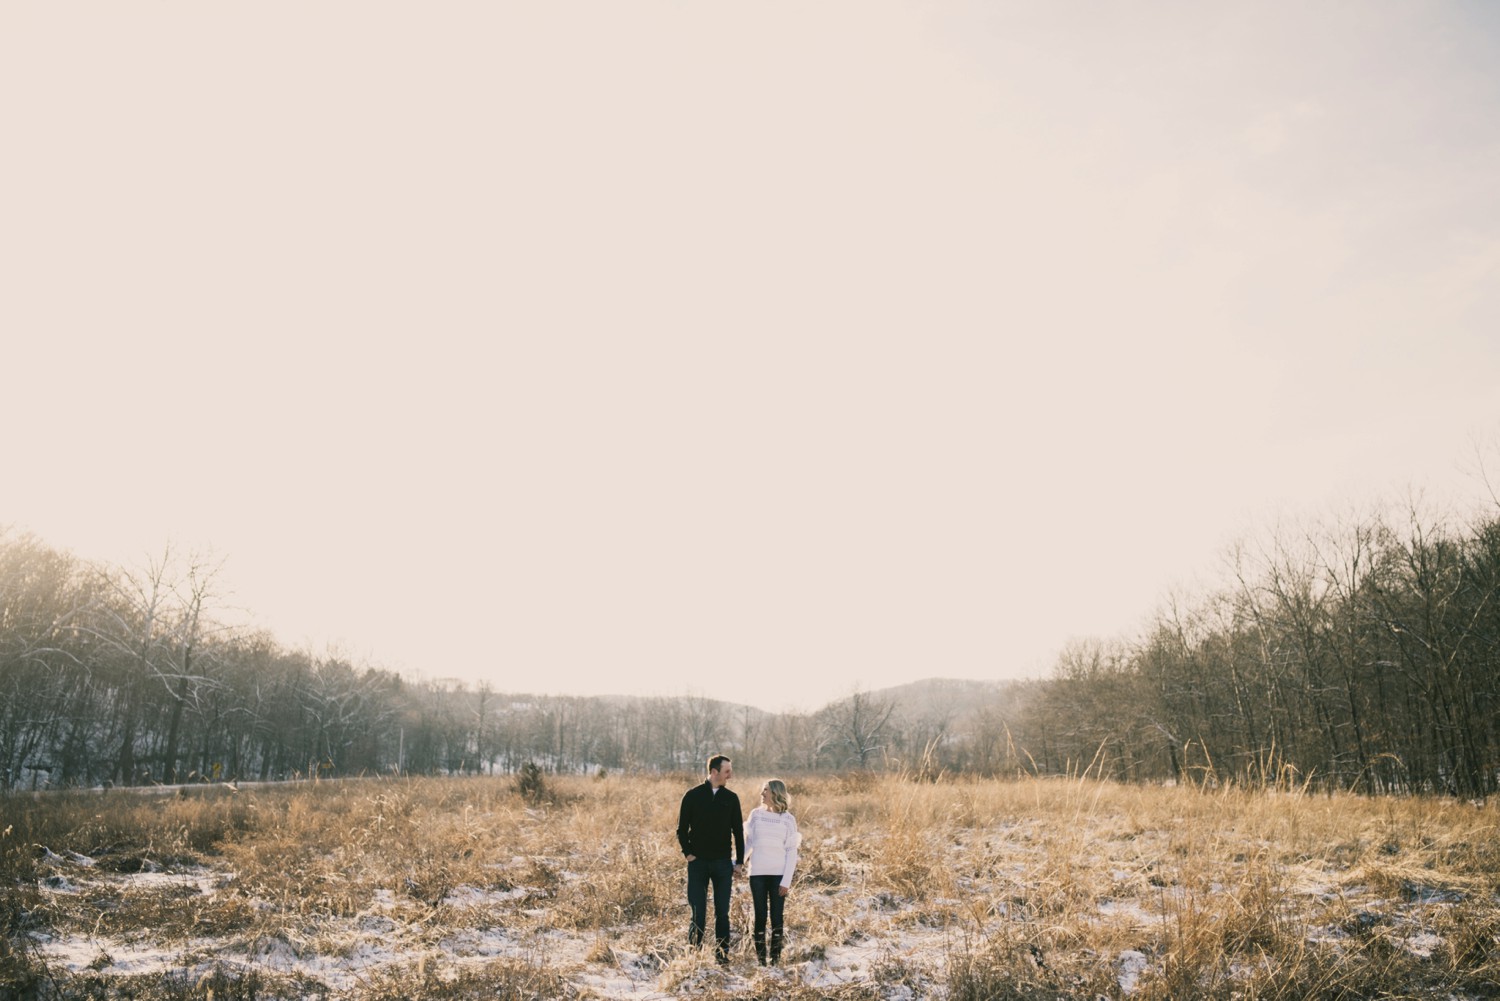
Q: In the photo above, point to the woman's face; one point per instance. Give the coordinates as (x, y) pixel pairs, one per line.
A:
(765, 798)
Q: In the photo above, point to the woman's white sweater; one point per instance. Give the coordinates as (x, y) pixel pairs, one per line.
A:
(772, 839)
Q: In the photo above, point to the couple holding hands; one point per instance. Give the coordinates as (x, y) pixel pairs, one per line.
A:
(717, 843)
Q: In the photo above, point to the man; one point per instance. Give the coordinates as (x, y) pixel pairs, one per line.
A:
(710, 816)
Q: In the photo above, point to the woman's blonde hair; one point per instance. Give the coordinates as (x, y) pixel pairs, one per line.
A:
(780, 801)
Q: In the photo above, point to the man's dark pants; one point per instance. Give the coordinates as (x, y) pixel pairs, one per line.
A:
(701, 872)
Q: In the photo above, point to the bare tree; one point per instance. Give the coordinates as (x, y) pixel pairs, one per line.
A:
(750, 726)
(43, 599)
(855, 730)
(706, 724)
(133, 625)
(187, 630)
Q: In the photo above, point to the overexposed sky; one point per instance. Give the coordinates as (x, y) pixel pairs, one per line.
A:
(755, 350)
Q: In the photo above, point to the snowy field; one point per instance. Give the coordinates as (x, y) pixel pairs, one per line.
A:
(906, 891)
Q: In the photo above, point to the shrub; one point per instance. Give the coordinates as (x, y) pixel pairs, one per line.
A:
(530, 783)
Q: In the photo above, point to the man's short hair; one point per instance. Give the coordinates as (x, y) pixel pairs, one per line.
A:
(716, 763)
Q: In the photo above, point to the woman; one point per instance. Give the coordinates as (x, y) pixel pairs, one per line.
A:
(771, 837)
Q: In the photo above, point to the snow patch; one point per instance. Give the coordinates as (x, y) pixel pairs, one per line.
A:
(1131, 965)
(1129, 910)
(472, 896)
(1423, 944)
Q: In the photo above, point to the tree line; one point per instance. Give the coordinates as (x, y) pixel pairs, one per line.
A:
(1360, 654)
(117, 676)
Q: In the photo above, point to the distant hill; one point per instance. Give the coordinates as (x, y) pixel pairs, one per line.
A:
(928, 699)
(702, 704)
(936, 698)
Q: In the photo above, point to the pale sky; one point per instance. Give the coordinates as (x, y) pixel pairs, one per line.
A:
(756, 350)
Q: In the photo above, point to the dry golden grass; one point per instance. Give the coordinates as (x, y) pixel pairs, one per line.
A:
(967, 889)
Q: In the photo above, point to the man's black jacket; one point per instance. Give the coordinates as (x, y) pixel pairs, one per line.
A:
(706, 821)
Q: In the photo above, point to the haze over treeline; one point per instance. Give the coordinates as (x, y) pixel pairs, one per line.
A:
(1360, 652)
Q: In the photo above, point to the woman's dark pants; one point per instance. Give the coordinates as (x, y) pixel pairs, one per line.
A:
(766, 892)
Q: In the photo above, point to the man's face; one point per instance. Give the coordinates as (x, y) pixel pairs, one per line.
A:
(721, 776)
